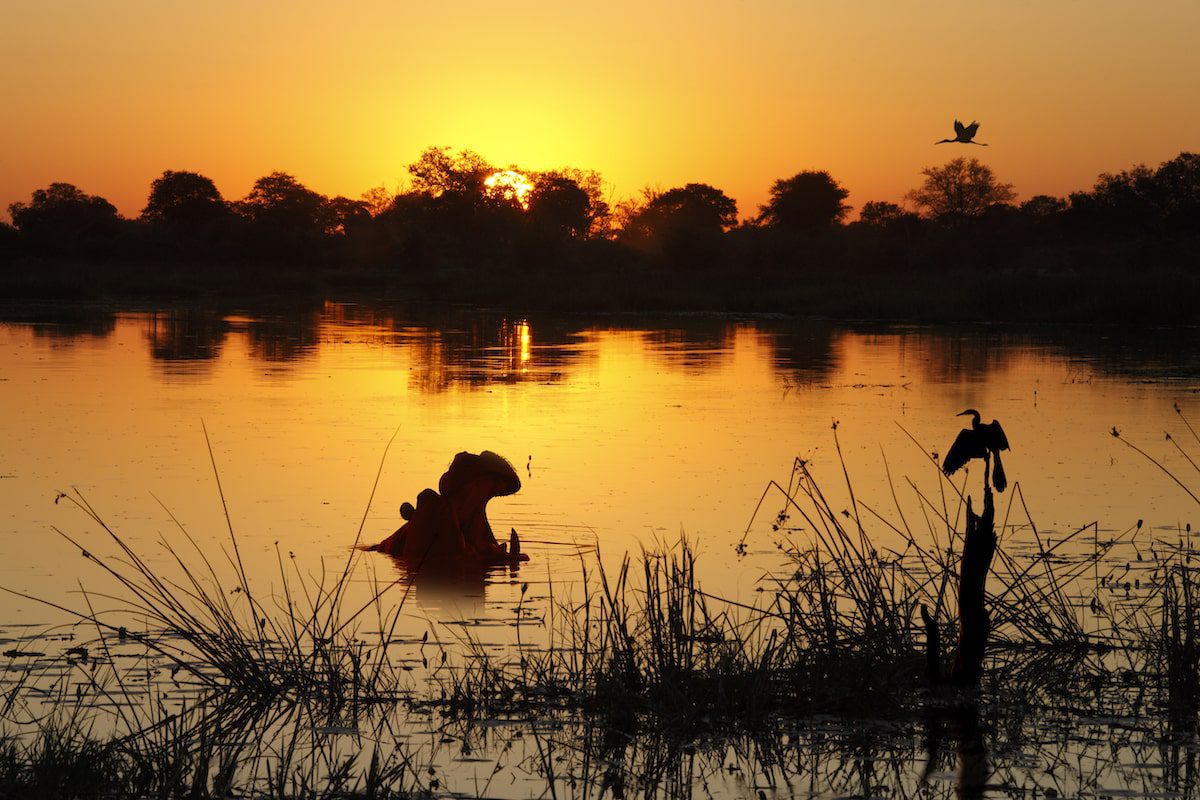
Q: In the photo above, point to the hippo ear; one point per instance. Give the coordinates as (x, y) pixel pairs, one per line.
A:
(428, 498)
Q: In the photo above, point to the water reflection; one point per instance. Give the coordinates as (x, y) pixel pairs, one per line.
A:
(694, 348)
(284, 338)
(186, 334)
(469, 350)
(459, 587)
(485, 349)
(518, 343)
(635, 425)
(959, 356)
(62, 326)
(805, 353)
(959, 721)
(1149, 354)
(433, 371)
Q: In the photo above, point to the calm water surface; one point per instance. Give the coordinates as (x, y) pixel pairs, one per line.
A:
(627, 432)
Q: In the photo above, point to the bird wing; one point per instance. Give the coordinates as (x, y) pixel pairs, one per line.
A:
(958, 127)
(997, 438)
(970, 130)
(959, 452)
(999, 480)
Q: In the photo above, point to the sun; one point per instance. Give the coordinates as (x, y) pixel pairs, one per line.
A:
(509, 185)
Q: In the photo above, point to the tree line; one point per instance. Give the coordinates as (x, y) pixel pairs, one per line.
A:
(460, 211)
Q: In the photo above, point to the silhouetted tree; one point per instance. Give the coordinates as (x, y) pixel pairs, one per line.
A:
(694, 209)
(1119, 202)
(1178, 183)
(449, 216)
(684, 224)
(1041, 215)
(806, 201)
(880, 213)
(286, 216)
(1144, 200)
(626, 210)
(184, 199)
(963, 187)
(889, 221)
(345, 216)
(599, 213)
(8, 241)
(558, 203)
(437, 172)
(1043, 206)
(61, 218)
(378, 199)
(405, 229)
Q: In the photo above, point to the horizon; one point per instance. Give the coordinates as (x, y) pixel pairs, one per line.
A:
(699, 94)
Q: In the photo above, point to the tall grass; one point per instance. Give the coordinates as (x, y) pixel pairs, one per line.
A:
(1165, 621)
(245, 663)
(640, 650)
(839, 631)
(215, 753)
(211, 622)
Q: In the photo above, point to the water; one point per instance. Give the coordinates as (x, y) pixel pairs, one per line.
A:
(627, 432)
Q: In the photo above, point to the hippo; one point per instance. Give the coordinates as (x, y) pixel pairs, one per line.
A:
(449, 528)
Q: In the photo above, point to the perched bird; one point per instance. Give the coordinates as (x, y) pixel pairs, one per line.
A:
(978, 441)
(964, 134)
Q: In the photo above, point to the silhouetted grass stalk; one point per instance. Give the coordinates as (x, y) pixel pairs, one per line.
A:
(645, 646)
(301, 643)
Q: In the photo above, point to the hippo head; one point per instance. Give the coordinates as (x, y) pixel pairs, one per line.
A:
(451, 525)
(488, 467)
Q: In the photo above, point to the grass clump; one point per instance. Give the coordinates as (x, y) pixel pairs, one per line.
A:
(651, 668)
(61, 762)
(213, 625)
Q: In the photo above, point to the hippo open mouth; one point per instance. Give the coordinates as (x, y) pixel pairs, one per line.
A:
(450, 527)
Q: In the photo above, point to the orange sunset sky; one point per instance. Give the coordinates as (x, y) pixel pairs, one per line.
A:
(106, 95)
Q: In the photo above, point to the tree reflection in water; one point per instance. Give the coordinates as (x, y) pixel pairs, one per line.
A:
(186, 334)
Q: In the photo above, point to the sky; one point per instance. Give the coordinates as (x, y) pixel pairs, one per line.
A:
(737, 94)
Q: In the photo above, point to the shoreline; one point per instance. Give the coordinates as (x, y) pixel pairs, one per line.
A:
(1158, 295)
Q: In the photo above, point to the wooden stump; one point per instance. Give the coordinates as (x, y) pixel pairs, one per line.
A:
(958, 710)
(974, 623)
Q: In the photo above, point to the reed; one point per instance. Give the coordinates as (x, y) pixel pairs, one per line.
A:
(211, 623)
(642, 653)
(836, 633)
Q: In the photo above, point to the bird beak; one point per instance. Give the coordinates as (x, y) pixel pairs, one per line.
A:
(963, 414)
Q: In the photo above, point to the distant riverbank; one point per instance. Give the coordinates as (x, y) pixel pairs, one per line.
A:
(1128, 286)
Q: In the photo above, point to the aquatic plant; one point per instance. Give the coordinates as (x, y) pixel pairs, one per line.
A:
(211, 622)
(641, 680)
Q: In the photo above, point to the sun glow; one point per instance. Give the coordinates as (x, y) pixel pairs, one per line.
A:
(509, 185)
(516, 339)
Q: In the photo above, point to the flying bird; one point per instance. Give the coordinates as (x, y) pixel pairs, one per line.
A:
(964, 134)
(978, 441)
